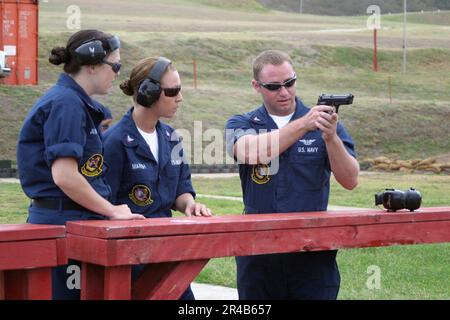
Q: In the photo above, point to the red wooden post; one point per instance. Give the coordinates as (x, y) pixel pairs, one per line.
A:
(118, 283)
(167, 280)
(32, 284)
(38, 280)
(27, 253)
(92, 282)
(375, 49)
(100, 283)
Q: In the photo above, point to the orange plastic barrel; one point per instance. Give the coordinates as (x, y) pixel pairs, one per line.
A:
(19, 40)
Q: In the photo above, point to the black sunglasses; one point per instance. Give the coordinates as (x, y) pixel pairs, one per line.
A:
(171, 92)
(277, 86)
(115, 66)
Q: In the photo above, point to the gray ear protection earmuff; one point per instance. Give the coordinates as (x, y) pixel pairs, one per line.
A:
(94, 51)
(150, 88)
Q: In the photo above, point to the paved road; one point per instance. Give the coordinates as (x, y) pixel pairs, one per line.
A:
(209, 292)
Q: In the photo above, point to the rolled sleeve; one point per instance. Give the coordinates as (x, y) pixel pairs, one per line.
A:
(64, 130)
(63, 150)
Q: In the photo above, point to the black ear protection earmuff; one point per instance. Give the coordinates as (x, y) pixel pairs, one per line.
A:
(150, 88)
(94, 51)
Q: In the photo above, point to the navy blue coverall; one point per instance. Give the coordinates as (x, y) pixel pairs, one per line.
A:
(148, 187)
(299, 183)
(62, 123)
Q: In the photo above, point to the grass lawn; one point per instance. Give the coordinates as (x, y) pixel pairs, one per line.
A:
(407, 272)
(435, 189)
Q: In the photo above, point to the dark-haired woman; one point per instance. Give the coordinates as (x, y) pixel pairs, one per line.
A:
(146, 168)
(59, 151)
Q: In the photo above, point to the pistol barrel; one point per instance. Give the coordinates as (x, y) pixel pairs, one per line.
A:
(335, 100)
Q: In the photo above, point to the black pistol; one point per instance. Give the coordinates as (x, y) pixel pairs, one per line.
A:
(335, 100)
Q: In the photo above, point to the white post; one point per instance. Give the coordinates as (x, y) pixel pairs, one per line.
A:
(404, 35)
(301, 6)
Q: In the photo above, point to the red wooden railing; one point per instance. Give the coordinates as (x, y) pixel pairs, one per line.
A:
(177, 249)
(27, 254)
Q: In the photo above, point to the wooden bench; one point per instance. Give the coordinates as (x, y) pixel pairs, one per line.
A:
(177, 249)
(27, 254)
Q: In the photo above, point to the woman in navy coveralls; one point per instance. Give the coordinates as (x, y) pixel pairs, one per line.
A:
(146, 168)
(60, 151)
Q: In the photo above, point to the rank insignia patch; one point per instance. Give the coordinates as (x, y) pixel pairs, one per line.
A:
(93, 166)
(141, 195)
(260, 174)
